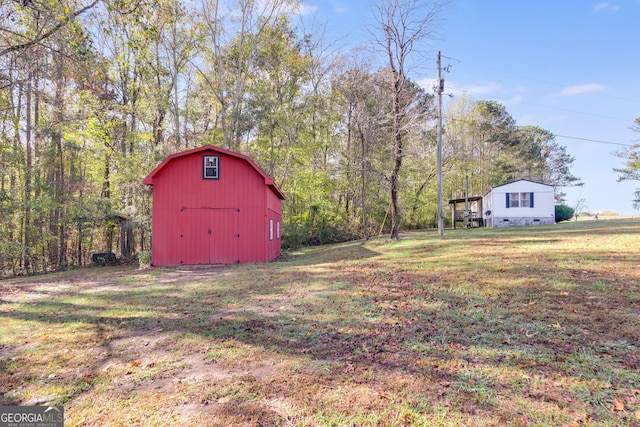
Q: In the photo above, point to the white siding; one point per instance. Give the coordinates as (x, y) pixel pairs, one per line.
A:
(542, 212)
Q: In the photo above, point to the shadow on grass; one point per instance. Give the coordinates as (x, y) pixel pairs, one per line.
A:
(469, 326)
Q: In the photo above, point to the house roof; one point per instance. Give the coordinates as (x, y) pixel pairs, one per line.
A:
(522, 179)
(462, 200)
(516, 180)
(267, 180)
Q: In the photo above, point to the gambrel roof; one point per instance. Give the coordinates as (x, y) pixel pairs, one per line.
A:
(267, 180)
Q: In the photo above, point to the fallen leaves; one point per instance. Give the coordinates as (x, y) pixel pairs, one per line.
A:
(137, 363)
(382, 395)
(79, 423)
(532, 350)
(617, 405)
(423, 362)
(529, 363)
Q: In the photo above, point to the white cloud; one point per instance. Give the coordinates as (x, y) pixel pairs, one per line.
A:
(580, 89)
(298, 9)
(515, 100)
(606, 7)
(489, 91)
(304, 9)
(341, 7)
(451, 87)
(486, 89)
(558, 118)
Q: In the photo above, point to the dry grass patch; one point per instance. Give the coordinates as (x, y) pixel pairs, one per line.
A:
(519, 327)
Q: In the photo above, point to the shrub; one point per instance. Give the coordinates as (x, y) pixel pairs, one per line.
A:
(300, 232)
(563, 213)
(144, 259)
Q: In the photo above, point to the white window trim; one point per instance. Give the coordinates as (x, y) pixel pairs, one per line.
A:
(214, 165)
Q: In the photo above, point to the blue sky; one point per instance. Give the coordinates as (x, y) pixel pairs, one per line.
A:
(571, 67)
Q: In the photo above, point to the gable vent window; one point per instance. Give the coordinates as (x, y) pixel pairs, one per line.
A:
(211, 167)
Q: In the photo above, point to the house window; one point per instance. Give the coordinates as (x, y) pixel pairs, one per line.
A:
(277, 229)
(270, 229)
(211, 167)
(519, 200)
(513, 200)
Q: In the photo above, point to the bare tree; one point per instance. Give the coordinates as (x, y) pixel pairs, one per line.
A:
(402, 25)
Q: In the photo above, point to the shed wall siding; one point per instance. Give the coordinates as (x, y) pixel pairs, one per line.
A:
(209, 221)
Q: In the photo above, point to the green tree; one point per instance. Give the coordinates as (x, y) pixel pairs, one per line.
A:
(546, 161)
(234, 47)
(485, 144)
(53, 17)
(179, 39)
(360, 105)
(631, 170)
(481, 142)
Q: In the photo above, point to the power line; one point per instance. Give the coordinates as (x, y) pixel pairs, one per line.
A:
(548, 107)
(560, 136)
(577, 112)
(541, 80)
(594, 140)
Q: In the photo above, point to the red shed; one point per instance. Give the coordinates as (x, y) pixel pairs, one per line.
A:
(213, 206)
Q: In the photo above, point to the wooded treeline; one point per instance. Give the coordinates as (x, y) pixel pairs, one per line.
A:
(95, 93)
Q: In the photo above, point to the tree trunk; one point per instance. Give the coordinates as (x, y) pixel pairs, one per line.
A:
(26, 259)
(363, 183)
(57, 225)
(398, 155)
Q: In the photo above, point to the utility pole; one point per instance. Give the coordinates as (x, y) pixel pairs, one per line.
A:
(439, 90)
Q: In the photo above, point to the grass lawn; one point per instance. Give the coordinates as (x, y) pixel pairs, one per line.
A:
(515, 327)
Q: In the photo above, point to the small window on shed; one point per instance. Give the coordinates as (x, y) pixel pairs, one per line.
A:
(270, 229)
(210, 167)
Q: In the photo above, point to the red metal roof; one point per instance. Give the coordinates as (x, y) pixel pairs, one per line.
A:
(267, 180)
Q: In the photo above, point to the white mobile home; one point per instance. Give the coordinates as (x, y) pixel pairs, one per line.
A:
(518, 203)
